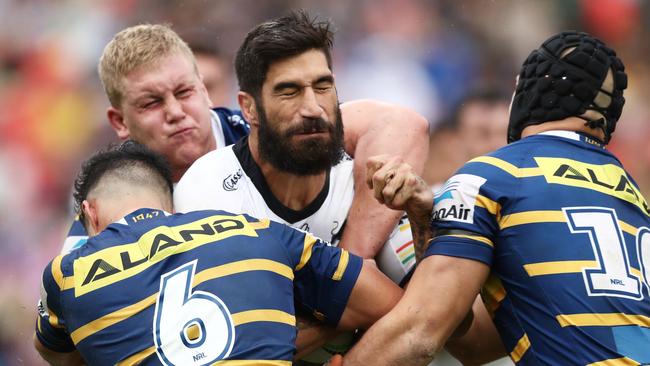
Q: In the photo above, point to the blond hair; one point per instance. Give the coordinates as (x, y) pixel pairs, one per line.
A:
(143, 44)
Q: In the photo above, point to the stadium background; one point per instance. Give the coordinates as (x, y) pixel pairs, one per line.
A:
(425, 54)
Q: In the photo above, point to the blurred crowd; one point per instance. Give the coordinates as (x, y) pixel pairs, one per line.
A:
(453, 61)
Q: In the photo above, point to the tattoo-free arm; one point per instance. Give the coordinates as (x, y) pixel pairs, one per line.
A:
(373, 128)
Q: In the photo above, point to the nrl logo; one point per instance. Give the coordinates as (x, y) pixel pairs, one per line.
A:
(230, 183)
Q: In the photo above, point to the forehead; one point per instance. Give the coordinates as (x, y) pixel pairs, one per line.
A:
(166, 73)
(305, 67)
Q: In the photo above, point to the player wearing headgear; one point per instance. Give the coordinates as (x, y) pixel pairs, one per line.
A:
(551, 226)
(152, 288)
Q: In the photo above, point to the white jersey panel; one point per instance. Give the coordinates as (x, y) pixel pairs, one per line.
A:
(218, 181)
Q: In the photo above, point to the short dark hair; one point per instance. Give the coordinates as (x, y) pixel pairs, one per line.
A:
(129, 154)
(486, 94)
(278, 39)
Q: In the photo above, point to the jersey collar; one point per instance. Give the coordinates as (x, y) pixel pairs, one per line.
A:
(577, 136)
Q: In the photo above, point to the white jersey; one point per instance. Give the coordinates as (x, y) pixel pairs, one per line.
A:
(228, 179)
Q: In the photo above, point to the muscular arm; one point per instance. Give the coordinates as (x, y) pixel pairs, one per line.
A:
(481, 343)
(373, 128)
(58, 358)
(436, 301)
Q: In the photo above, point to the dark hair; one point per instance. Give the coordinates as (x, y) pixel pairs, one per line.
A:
(278, 39)
(486, 94)
(127, 155)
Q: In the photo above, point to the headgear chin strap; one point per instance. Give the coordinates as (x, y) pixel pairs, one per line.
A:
(562, 79)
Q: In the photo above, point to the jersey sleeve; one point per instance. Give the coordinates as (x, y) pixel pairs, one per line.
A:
(324, 275)
(467, 210)
(50, 324)
(233, 124)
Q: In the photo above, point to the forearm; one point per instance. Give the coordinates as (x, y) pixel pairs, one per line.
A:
(393, 340)
(481, 343)
(425, 317)
(311, 335)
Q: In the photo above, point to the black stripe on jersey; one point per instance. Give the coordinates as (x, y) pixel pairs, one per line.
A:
(243, 154)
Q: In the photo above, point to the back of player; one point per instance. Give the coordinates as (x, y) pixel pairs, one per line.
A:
(192, 289)
(568, 235)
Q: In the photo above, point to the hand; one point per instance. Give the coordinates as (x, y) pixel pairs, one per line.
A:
(396, 185)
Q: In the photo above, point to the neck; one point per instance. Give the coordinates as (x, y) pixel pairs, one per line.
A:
(116, 209)
(574, 124)
(293, 191)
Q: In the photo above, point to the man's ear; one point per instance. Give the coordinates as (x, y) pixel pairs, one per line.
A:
(90, 211)
(248, 107)
(116, 119)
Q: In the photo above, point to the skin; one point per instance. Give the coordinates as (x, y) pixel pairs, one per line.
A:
(429, 311)
(166, 107)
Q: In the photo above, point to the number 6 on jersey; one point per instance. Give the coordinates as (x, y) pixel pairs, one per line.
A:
(190, 328)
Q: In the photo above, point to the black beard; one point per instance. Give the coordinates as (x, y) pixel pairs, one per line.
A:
(308, 157)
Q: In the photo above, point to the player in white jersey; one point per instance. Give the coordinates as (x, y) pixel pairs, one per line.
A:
(289, 168)
(156, 96)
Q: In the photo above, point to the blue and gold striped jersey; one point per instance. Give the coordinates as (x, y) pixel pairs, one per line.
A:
(566, 232)
(191, 289)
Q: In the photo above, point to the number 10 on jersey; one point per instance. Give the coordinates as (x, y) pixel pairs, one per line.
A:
(613, 277)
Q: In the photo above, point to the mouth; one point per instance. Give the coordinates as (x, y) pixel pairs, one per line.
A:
(182, 132)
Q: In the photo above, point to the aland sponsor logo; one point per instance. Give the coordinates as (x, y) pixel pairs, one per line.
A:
(456, 200)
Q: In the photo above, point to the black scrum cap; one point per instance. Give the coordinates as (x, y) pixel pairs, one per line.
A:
(562, 78)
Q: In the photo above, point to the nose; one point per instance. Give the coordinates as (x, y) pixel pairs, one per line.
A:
(174, 111)
(309, 105)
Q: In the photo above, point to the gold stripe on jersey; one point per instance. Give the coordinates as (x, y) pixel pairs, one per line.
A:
(53, 319)
(252, 363)
(137, 357)
(263, 315)
(623, 361)
(262, 224)
(602, 319)
(116, 263)
(482, 239)
(523, 344)
(243, 266)
(57, 274)
(609, 179)
(109, 319)
(343, 264)
(507, 167)
(493, 293)
(560, 267)
(309, 242)
(126, 312)
(491, 206)
(540, 217)
(531, 217)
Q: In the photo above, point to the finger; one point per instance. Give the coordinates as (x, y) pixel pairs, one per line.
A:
(373, 164)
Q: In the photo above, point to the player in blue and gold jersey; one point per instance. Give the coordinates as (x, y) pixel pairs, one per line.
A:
(152, 288)
(551, 226)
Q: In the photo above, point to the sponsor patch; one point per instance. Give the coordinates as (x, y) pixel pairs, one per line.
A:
(230, 183)
(455, 201)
